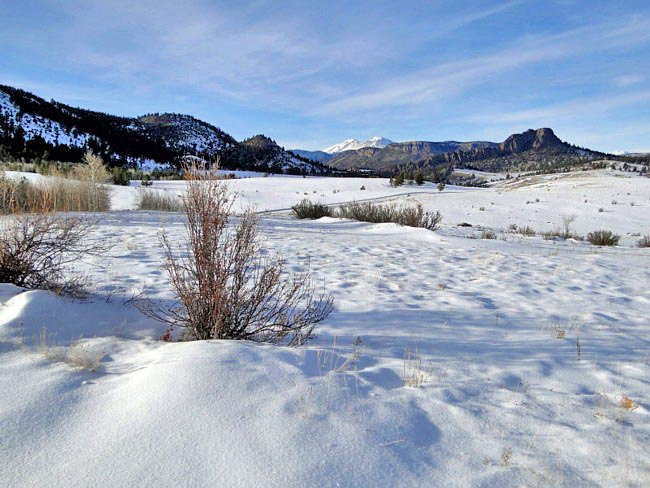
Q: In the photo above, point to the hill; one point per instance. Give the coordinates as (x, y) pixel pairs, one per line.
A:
(320, 156)
(32, 128)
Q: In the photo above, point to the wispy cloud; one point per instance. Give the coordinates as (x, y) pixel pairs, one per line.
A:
(451, 79)
(628, 80)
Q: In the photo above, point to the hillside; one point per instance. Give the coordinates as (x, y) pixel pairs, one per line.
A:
(320, 156)
(32, 128)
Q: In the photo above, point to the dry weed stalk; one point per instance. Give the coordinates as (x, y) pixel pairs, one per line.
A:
(414, 373)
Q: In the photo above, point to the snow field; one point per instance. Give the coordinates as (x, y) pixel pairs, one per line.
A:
(527, 348)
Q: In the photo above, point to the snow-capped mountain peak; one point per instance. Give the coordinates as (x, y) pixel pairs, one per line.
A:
(353, 144)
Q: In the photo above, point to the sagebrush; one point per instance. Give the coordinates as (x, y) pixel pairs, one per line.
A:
(411, 216)
(307, 209)
(603, 238)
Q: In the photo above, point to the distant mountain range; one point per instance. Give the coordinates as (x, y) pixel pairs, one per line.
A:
(32, 128)
(347, 145)
(530, 150)
(398, 153)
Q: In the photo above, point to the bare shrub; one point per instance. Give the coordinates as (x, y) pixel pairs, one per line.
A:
(383, 213)
(488, 234)
(643, 242)
(226, 288)
(158, 201)
(566, 231)
(603, 238)
(36, 251)
(307, 209)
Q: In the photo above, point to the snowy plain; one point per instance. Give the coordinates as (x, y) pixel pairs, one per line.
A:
(527, 348)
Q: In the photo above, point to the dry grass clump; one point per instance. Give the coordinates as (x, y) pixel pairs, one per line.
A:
(488, 234)
(158, 201)
(36, 251)
(384, 213)
(524, 231)
(225, 286)
(82, 356)
(77, 354)
(414, 372)
(307, 209)
(603, 238)
(628, 404)
(85, 193)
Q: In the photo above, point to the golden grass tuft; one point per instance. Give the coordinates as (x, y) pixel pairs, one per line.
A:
(628, 404)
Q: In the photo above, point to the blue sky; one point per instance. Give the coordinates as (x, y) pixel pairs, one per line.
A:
(310, 74)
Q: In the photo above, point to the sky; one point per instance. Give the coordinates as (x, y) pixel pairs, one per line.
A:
(310, 74)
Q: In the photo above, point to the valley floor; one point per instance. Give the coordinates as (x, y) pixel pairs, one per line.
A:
(526, 350)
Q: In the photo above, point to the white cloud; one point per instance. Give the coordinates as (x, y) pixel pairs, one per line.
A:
(628, 80)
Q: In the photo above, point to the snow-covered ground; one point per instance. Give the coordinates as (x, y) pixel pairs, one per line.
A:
(527, 347)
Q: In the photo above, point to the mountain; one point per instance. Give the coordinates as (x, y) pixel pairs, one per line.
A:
(399, 153)
(320, 156)
(353, 144)
(32, 128)
(265, 151)
(631, 153)
(529, 150)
